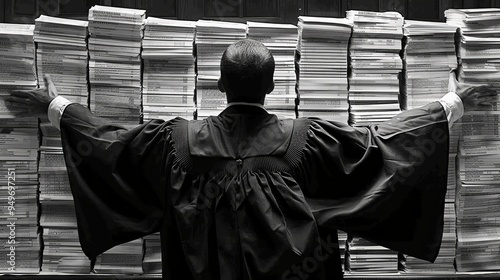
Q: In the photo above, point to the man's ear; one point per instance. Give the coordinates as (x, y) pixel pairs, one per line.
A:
(271, 88)
(220, 85)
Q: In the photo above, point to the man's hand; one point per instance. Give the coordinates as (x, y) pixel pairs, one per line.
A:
(473, 96)
(32, 103)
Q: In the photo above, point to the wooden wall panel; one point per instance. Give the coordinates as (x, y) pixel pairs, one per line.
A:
(123, 3)
(161, 8)
(368, 5)
(21, 11)
(448, 4)
(222, 8)
(476, 3)
(190, 9)
(325, 8)
(286, 11)
(394, 5)
(262, 8)
(48, 7)
(76, 8)
(290, 10)
(423, 10)
(2, 11)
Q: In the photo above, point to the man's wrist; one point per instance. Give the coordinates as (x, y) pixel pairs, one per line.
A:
(56, 110)
(453, 106)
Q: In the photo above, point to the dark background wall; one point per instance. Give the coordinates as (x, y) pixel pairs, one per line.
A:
(286, 11)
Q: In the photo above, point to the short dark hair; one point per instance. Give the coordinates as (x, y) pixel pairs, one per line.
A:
(247, 69)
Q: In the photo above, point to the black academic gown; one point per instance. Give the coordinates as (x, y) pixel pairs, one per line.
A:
(244, 195)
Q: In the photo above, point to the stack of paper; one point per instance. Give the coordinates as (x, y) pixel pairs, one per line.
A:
(17, 62)
(62, 251)
(429, 55)
(121, 259)
(367, 258)
(169, 76)
(20, 249)
(478, 227)
(322, 63)
(152, 254)
(342, 236)
(115, 63)
(62, 53)
(212, 39)
(375, 66)
(281, 40)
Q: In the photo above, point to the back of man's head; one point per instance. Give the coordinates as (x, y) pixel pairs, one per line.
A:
(247, 69)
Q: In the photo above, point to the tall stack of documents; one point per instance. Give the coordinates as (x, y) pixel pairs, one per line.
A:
(122, 259)
(281, 40)
(62, 251)
(212, 39)
(115, 63)
(375, 66)
(342, 236)
(429, 55)
(151, 264)
(169, 76)
(322, 63)
(20, 249)
(478, 226)
(62, 53)
(365, 257)
(17, 62)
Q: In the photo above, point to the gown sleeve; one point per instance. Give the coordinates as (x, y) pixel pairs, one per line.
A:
(385, 183)
(115, 176)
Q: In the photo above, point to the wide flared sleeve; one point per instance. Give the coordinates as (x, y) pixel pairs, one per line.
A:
(385, 183)
(116, 178)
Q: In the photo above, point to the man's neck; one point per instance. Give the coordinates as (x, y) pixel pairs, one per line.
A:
(246, 104)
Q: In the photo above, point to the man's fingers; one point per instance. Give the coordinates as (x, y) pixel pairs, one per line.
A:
(49, 85)
(27, 92)
(19, 93)
(489, 99)
(15, 105)
(46, 80)
(15, 99)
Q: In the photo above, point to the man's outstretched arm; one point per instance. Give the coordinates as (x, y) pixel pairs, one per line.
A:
(116, 175)
(387, 182)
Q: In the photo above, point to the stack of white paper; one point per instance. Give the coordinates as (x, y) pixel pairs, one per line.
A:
(20, 249)
(62, 53)
(429, 55)
(375, 66)
(478, 228)
(122, 259)
(115, 63)
(17, 62)
(342, 236)
(62, 251)
(169, 76)
(212, 39)
(281, 40)
(322, 63)
(368, 258)
(152, 254)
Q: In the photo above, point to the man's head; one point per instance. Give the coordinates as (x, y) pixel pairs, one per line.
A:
(247, 69)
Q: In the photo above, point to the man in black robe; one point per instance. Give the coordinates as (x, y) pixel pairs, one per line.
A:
(244, 195)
